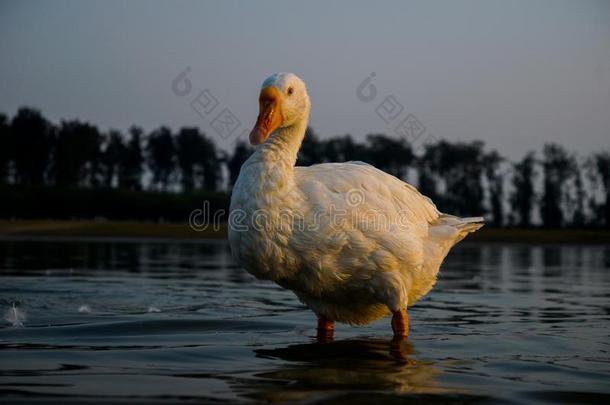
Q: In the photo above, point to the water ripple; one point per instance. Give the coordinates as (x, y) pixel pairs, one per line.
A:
(506, 323)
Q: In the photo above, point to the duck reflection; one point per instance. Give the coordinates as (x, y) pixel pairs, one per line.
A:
(400, 348)
(331, 367)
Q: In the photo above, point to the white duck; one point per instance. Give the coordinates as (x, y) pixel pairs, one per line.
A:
(351, 241)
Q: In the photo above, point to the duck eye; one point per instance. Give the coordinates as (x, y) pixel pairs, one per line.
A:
(290, 90)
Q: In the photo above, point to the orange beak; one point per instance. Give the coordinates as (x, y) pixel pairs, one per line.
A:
(269, 116)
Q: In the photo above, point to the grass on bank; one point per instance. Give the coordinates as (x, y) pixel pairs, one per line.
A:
(88, 228)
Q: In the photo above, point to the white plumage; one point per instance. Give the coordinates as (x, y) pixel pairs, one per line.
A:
(352, 242)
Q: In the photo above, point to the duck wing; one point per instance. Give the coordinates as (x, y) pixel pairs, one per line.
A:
(379, 215)
(358, 187)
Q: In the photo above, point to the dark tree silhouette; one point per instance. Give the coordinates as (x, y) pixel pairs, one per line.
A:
(77, 154)
(198, 160)
(311, 149)
(460, 166)
(426, 179)
(161, 156)
(189, 149)
(132, 162)
(211, 162)
(240, 154)
(342, 149)
(391, 155)
(600, 168)
(559, 167)
(6, 149)
(495, 186)
(462, 178)
(523, 198)
(113, 157)
(32, 140)
(577, 199)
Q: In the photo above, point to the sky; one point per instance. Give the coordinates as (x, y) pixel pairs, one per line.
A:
(515, 74)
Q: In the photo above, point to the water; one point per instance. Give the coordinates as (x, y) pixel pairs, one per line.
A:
(173, 321)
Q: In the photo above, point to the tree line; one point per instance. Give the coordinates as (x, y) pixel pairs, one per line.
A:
(552, 188)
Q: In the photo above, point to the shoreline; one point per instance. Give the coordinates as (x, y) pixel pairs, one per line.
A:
(169, 230)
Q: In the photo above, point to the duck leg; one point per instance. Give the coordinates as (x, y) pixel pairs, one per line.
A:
(326, 328)
(400, 323)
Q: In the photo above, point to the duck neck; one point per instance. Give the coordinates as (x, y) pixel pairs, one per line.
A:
(283, 145)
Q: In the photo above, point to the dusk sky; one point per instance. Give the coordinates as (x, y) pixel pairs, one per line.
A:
(515, 74)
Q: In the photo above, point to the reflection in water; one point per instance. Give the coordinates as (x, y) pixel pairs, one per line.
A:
(127, 254)
(505, 322)
(345, 365)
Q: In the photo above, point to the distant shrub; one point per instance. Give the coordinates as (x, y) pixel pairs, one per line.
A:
(76, 203)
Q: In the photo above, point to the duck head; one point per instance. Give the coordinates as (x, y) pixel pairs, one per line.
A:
(283, 102)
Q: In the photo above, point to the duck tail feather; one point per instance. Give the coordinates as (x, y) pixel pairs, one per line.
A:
(464, 225)
(471, 224)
